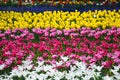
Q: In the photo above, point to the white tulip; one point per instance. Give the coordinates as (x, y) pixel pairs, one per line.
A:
(107, 78)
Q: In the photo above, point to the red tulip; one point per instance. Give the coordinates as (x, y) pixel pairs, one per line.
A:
(107, 64)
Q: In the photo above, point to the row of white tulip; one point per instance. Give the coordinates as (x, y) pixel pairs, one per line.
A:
(43, 71)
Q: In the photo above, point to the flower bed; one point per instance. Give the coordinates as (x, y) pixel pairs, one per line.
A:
(78, 71)
(59, 2)
(59, 19)
(83, 53)
(67, 7)
(58, 45)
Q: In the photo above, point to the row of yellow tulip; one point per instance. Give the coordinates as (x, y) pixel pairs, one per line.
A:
(59, 19)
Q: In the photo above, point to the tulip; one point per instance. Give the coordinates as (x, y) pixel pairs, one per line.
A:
(20, 2)
(107, 64)
(68, 64)
(59, 32)
(40, 59)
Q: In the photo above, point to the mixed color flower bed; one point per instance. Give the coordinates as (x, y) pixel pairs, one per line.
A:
(58, 2)
(53, 54)
(66, 41)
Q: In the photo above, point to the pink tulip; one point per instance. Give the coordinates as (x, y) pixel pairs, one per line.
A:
(40, 59)
(68, 64)
(46, 33)
(54, 56)
(59, 32)
(107, 64)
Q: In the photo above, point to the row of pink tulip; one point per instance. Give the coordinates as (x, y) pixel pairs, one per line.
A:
(100, 47)
(21, 33)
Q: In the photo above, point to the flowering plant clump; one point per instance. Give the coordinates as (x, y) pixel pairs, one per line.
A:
(59, 19)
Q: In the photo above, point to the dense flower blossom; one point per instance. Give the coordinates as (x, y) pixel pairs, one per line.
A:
(60, 52)
(59, 20)
(48, 72)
